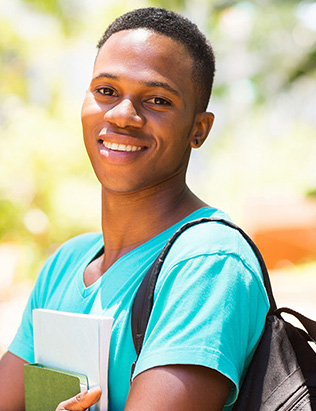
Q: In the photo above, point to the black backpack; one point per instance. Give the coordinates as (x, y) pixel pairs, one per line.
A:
(282, 373)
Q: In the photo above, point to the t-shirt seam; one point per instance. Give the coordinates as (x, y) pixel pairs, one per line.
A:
(185, 350)
(223, 254)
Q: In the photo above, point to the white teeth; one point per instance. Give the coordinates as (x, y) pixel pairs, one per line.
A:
(120, 147)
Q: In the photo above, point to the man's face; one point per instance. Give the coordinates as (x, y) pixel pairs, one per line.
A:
(138, 114)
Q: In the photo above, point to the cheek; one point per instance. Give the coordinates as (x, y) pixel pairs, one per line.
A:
(89, 121)
(174, 127)
(90, 110)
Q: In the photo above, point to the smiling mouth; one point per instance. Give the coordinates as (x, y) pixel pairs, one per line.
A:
(121, 147)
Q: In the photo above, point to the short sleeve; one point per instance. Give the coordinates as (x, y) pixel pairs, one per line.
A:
(22, 345)
(209, 310)
(55, 279)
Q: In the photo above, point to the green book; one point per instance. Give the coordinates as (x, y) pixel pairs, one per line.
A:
(46, 387)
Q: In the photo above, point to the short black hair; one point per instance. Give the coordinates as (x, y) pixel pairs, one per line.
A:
(178, 28)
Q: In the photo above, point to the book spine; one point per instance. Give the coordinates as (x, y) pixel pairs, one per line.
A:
(105, 337)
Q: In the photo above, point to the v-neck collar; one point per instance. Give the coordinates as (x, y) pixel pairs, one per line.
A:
(159, 240)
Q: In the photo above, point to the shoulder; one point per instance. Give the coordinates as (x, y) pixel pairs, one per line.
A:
(76, 245)
(81, 241)
(210, 238)
(72, 252)
(211, 247)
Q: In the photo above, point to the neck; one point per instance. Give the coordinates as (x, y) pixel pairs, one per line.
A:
(130, 219)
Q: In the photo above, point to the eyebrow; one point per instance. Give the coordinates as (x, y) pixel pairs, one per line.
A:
(157, 84)
(161, 84)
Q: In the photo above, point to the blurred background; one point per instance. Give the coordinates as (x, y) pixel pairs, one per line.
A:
(258, 163)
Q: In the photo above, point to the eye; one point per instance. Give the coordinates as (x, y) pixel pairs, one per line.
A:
(159, 101)
(106, 91)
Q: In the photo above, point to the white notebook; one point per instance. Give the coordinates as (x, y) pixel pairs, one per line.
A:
(75, 342)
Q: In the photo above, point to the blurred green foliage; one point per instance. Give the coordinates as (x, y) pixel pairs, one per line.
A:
(264, 101)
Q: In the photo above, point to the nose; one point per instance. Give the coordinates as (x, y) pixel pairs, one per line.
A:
(124, 114)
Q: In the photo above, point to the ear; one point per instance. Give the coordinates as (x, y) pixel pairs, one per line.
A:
(202, 125)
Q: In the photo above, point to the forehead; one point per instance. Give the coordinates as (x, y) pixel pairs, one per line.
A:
(140, 52)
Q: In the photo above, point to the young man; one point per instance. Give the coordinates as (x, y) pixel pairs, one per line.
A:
(143, 113)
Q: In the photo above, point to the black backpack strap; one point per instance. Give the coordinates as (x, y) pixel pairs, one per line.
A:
(142, 305)
(143, 301)
(309, 325)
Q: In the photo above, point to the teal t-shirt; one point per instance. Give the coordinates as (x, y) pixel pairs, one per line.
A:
(209, 306)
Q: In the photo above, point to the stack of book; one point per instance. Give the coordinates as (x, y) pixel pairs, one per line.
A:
(71, 355)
